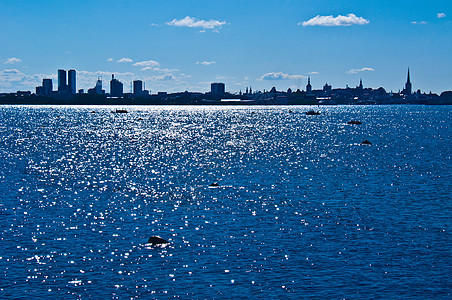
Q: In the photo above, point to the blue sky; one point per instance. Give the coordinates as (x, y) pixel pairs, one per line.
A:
(178, 45)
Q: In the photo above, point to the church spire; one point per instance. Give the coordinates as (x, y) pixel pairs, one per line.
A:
(408, 86)
(308, 86)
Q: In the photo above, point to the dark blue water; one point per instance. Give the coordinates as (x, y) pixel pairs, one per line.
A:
(303, 210)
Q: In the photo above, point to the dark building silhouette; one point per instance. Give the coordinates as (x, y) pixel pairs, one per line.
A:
(45, 89)
(327, 88)
(309, 86)
(116, 87)
(360, 86)
(62, 86)
(137, 88)
(217, 88)
(47, 84)
(97, 90)
(408, 87)
(71, 81)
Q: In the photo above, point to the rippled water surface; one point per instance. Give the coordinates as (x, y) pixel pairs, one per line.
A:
(302, 211)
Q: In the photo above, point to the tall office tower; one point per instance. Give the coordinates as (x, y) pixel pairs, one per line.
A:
(408, 87)
(137, 88)
(71, 81)
(116, 87)
(47, 86)
(217, 88)
(309, 86)
(62, 86)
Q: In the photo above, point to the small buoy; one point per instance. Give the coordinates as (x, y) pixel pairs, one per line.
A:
(366, 142)
(354, 122)
(156, 240)
(214, 184)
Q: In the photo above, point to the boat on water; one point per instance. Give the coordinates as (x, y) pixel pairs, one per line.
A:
(312, 113)
(120, 111)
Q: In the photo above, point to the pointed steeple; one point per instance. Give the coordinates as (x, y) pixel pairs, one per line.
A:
(308, 86)
(408, 86)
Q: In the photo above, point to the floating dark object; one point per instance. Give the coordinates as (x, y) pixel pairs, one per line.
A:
(312, 113)
(120, 111)
(290, 111)
(93, 112)
(156, 240)
(214, 184)
(354, 122)
(366, 142)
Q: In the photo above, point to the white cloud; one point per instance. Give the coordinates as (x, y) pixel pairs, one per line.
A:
(441, 15)
(12, 60)
(110, 59)
(420, 22)
(313, 73)
(280, 76)
(348, 20)
(161, 70)
(147, 63)
(205, 63)
(165, 77)
(355, 71)
(12, 80)
(125, 59)
(195, 23)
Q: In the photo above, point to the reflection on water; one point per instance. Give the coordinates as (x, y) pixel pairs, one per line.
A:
(302, 209)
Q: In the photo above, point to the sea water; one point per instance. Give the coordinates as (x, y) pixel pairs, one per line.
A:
(302, 210)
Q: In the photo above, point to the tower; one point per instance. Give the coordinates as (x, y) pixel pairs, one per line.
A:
(408, 86)
(48, 86)
(360, 86)
(308, 86)
(71, 81)
(116, 87)
(137, 88)
(61, 81)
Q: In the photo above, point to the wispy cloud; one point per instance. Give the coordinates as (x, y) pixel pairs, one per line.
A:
(12, 80)
(205, 63)
(125, 60)
(12, 60)
(280, 76)
(441, 15)
(161, 70)
(195, 23)
(147, 63)
(110, 59)
(419, 22)
(348, 20)
(165, 77)
(313, 73)
(356, 71)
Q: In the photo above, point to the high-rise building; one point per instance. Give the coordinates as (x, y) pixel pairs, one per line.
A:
(116, 87)
(309, 86)
(137, 88)
(62, 85)
(217, 88)
(71, 81)
(47, 86)
(98, 88)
